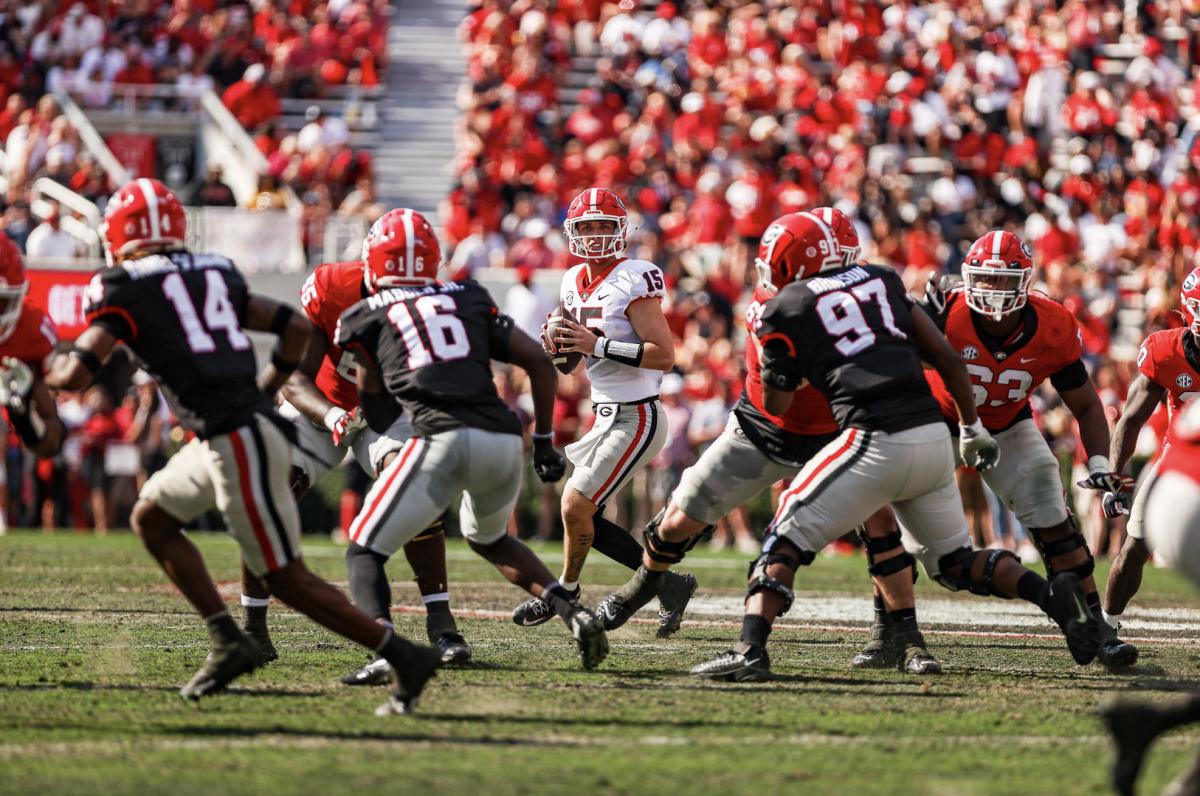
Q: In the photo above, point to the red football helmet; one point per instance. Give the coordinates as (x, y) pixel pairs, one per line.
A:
(796, 246)
(844, 231)
(997, 273)
(1189, 300)
(401, 249)
(596, 204)
(13, 286)
(144, 215)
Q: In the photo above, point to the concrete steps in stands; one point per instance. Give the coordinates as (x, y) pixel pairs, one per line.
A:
(416, 144)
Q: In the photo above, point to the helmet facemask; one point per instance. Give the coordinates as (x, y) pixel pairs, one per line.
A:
(996, 289)
(1191, 311)
(596, 246)
(11, 298)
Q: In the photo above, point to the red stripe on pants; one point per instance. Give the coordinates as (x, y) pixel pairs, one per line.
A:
(364, 518)
(256, 523)
(637, 435)
(786, 497)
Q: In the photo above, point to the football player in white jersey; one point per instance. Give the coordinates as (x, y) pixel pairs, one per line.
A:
(627, 346)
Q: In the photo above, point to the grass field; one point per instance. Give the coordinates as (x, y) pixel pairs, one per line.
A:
(94, 644)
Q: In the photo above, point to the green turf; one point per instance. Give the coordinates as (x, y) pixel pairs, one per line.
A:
(94, 644)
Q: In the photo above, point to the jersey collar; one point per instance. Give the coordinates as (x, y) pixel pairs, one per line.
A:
(1003, 348)
(585, 287)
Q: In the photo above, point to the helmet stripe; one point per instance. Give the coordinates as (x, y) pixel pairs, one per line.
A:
(834, 249)
(147, 189)
(595, 198)
(409, 243)
(997, 240)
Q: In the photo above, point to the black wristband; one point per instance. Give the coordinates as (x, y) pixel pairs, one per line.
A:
(29, 428)
(542, 438)
(87, 359)
(281, 364)
(283, 316)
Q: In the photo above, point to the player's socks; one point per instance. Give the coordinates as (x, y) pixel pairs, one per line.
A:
(755, 630)
(1033, 588)
(222, 629)
(615, 542)
(1092, 599)
(256, 612)
(560, 600)
(438, 618)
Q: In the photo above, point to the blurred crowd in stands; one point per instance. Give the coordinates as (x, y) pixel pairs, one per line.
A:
(1071, 123)
(251, 54)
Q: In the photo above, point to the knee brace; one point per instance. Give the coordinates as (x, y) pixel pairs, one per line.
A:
(663, 551)
(438, 528)
(1052, 548)
(963, 560)
(760, 580)
(368, 581)
(886, 544)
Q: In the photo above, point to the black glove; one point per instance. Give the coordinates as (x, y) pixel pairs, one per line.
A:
(548, 462)
(1114, 504)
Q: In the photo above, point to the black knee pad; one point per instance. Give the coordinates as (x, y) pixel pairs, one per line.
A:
(662, 551)
(964, 559)
(760, 580)
(1051, 548)
(885, 544)
(368, 581)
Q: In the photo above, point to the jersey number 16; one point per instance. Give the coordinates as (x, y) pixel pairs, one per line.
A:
(435, 322)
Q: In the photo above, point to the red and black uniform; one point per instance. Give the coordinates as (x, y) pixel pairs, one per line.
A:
(1045, 345)
(793, 437)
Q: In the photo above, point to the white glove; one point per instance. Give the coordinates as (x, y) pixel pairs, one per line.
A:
(16, 382)
(344, 426)
(977, 447)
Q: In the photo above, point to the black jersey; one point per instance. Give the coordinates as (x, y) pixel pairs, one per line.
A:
(434, 347)
(850, 333)
(181, 315)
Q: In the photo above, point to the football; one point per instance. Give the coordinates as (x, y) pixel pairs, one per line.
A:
(565, 362)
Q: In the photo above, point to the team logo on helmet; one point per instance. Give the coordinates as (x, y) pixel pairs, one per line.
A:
(1190, 282)
(1183, 380)
(970, 352)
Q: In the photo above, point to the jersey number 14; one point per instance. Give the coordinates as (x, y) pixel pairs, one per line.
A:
(219, 314)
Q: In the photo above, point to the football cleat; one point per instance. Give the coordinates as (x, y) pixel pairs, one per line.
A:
(745, 663)
(614, 611)
(420, 666)
(1132, 728)
(223, 665)
(1115, 653)
(262, 638)
(913, 657)
(879, 653)
(535, 612)
(588, 631)
(677, 591)
(377, 672)
(454, 648)
(1068, 608)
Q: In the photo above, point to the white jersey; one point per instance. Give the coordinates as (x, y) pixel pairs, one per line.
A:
(600, 306)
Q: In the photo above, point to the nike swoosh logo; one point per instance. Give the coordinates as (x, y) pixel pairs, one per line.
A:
(602, 298)
(1083, 616)
(1031, 359)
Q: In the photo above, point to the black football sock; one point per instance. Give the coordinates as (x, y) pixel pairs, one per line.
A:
(755, 629)
(561, 601)
(1033, 588)
(1093, 603)
(256, 617)
(222, 629)
(643, 587)
(438, 619)
(615, 542)
(369, 586)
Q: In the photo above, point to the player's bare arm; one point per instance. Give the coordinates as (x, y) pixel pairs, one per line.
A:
(379, 407)
(293, 331)
(300, 390)
(76, 369)
(1085, 404)
(1144, 397)
(935, 349)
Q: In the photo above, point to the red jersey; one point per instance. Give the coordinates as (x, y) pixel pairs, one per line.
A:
(34, 339)
(1004, 372)
(1181, 451)
(1171, 359)
(808, 416)
(330, 290)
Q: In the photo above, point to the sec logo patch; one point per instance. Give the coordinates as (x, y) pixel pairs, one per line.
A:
(970, 352)
(1183, 380)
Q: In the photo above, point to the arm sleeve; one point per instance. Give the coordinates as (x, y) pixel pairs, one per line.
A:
(103, 308)
(1072, 377)
(310, 299)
